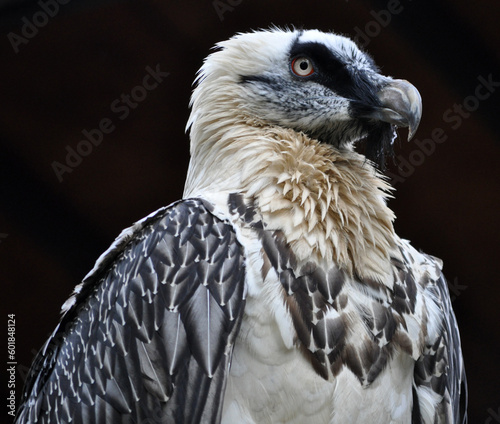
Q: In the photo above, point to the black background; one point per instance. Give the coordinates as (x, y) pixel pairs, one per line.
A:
(64, 79)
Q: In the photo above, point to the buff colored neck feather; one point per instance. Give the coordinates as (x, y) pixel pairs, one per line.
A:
(330, 204)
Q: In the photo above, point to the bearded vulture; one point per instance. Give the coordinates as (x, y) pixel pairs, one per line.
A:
(276, 290)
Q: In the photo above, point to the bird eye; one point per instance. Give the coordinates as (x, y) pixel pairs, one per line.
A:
(302, 66)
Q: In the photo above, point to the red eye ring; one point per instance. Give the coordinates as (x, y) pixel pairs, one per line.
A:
(302, 66)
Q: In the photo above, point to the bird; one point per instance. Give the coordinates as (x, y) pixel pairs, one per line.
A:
(276, 290)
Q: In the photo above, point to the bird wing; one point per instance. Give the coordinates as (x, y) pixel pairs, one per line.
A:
(440, 370)
(149, 332)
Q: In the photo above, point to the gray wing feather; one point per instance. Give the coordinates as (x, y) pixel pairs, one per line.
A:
(149, 334)
(441, 367)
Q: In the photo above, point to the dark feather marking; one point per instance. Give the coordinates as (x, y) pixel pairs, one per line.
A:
(237, 204)
(416, 416)
(317, 360)
(370, 283)
(379, 363)
(440, 368)
(385, 323)
(351, 359)
(337, 364)
(334, 281)
(370, 353)
(302, 327)
(330, 333)
(411, 291)
(369, 319)
(342, 301)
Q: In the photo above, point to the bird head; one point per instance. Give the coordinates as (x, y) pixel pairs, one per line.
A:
(317, 83)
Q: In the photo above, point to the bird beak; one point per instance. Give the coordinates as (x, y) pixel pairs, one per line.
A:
(401, 106)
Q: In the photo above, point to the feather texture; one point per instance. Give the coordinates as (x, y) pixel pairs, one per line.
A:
(150, 332)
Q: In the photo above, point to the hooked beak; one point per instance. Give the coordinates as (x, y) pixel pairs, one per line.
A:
(401, 106)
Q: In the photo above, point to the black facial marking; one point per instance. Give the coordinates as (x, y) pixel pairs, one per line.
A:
(256, 78)
(332, 72)
(378, 143)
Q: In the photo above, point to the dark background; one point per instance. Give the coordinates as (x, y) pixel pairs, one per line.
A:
(64, 79)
